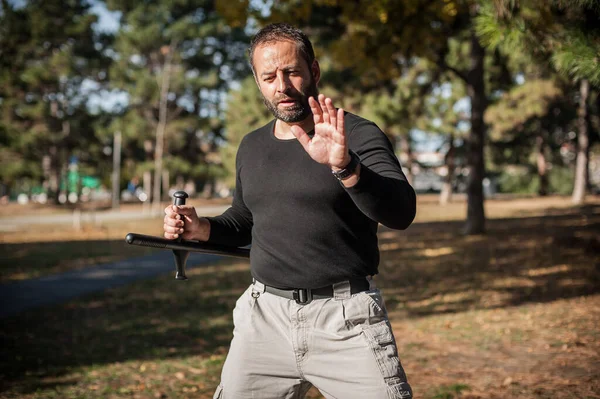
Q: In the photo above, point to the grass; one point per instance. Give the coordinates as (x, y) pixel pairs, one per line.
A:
(509, 314)
(450, 392)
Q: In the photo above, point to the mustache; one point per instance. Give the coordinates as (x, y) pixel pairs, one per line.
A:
(295, 97)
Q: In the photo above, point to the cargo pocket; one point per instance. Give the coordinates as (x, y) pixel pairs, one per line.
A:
(364, 308)
(383, 346)
(219, 392)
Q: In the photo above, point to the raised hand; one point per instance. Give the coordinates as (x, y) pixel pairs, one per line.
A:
(328, 145)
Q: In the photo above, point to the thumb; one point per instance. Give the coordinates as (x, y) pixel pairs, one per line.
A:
(301, 136)
(183, 209)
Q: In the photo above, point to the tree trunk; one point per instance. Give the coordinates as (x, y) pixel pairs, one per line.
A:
(208, 191)
(583, 146)
(475, 223)
(542, 164)
(446, 194)
(165, 182)
(160, 130)
(53, 174)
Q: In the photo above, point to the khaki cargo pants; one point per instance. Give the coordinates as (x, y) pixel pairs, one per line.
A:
(343, 346)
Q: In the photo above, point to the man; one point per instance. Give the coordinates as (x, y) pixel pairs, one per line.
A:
(311, 188)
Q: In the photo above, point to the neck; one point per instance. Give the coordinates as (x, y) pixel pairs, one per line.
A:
(283, 130)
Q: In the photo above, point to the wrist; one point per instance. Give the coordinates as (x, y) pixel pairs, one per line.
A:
(344, 164)
(349, 169)
(202, 233)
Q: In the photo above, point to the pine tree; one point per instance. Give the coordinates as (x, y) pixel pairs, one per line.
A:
(47, 51)
(564, 33)
(175, 64)
(528, 123)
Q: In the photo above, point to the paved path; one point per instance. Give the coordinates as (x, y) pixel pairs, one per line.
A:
(49, 290)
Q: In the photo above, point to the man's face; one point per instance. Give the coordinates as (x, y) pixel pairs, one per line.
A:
(285, 80)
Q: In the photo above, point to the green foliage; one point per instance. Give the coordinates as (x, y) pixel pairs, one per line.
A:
(565, 33)
(518, 180)
(206, 55)
(579, 59)
(47, 51)
(402, 64)
(561, 180)
(526, 103)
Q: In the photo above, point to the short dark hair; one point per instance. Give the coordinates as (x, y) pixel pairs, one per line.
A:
(282, 32)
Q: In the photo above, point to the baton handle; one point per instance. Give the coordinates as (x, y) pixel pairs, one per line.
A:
(179, 197)
(181, 256)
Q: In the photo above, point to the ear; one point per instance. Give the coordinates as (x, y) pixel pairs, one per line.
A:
(315, 69)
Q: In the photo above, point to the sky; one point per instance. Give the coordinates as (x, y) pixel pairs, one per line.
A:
(108, 21)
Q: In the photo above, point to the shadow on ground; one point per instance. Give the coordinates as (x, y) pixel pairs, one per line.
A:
(156, 319)
(37, 259)
(433, 268)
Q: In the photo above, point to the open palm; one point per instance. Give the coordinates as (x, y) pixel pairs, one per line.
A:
(328, 145)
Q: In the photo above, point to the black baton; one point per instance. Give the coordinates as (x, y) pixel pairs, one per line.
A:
(181, 248)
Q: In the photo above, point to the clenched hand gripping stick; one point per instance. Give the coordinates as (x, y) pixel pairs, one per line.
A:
(181, 248)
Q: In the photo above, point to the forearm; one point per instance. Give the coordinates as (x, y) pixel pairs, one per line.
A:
(389, 201)
(232, 228)
(379, 187)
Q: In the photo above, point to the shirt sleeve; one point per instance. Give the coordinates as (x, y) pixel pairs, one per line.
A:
(382, 192)
(234, 226)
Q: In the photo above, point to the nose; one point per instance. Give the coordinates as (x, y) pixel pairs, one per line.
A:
(283, 82)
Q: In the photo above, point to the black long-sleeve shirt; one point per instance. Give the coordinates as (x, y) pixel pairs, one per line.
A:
(306, 229)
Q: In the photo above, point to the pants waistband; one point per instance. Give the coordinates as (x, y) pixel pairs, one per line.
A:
(306, 295)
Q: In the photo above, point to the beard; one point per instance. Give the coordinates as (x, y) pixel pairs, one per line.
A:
(297, 112)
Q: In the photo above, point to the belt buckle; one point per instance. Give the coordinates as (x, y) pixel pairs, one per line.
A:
(302, 296)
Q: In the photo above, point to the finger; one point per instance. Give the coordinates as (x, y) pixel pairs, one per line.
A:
(340, 121)
(171, 217)
(331, 112)
(316, 110)
(169, 211)
(170, 236)
(173, 230)
(173, 222)
(301, 135)
(324, 108)
(184, 210)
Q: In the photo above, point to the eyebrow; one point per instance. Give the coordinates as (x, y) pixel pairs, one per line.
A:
(285, 69)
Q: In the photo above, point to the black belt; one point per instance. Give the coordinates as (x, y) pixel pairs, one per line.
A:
(306, 295)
